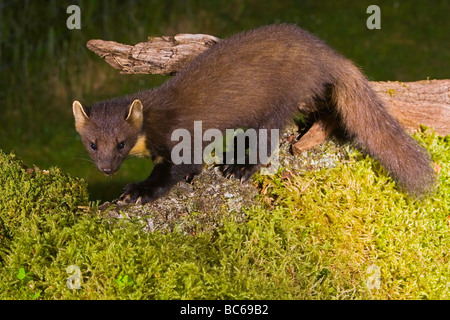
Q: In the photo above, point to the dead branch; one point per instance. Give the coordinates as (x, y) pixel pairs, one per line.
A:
(159, 55)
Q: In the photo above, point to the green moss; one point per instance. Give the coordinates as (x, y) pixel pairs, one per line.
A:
(27, 193)
(339, 232)
(351, 218)
(391, 92)
(37, 208)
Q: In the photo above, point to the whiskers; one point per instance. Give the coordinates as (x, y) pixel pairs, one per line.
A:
(87, 159)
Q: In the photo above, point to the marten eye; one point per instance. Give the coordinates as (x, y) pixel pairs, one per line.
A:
(121, 145)
(93, 146)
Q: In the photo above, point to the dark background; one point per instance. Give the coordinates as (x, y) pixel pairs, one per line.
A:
(45, 66)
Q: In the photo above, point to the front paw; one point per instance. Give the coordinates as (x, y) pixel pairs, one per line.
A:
(239, 171)
(138, 193)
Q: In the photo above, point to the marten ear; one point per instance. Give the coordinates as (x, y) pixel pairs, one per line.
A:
(80, 115)
(135, 115)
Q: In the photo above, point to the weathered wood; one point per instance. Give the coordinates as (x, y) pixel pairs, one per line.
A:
(417, 103)
(159, 55)
(319, 131)
(424, 102)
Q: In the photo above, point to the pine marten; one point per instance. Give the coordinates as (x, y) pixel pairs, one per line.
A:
(256, 79)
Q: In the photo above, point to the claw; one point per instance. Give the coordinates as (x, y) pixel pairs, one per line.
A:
(189, 177)
(125, 198)
(139, 201)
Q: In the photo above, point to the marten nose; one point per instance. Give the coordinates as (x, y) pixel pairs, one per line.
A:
(106, 171)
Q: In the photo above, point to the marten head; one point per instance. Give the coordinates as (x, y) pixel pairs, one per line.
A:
(110, 130)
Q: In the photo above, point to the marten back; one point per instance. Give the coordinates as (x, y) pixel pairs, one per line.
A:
(252, 78)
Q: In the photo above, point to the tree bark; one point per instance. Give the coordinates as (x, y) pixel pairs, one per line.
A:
(159, 55)
(425, 102)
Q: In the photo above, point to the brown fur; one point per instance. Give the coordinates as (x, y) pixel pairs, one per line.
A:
(257, 79)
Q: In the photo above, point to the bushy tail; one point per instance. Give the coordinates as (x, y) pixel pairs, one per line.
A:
(368, 121)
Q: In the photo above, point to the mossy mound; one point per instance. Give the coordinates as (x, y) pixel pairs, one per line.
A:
(340, 231)
(31, 193)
